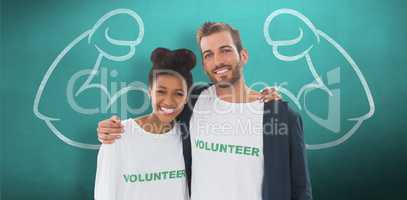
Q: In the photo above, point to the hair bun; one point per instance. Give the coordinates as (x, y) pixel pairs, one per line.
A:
(177, 59)
(184, 58)
(161, 57)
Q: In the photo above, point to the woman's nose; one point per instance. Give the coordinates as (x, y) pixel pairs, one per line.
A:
(169, 101)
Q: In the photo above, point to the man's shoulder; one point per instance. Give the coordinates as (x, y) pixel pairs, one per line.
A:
(292, 114)
(281, 108)
(193, 96)
(198, 88)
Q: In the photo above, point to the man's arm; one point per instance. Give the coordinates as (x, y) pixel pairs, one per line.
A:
(109, 130)
(300, 180)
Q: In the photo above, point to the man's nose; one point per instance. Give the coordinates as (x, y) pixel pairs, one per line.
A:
(218, 60)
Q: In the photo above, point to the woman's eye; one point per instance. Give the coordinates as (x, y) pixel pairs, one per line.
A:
(160, 91)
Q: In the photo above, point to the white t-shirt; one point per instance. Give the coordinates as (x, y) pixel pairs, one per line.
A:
(227, 149)
(142, 166)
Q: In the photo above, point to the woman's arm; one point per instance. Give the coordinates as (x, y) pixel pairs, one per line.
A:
(106, 173)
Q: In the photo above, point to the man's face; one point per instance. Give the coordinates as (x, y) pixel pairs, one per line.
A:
(221, 60)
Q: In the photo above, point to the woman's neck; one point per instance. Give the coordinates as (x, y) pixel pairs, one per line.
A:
(152, 124)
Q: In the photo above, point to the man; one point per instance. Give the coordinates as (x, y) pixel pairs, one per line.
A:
(237, 147)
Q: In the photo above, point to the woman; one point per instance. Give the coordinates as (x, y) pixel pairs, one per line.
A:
(147, 163)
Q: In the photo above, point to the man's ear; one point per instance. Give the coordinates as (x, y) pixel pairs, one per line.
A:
(244, 55)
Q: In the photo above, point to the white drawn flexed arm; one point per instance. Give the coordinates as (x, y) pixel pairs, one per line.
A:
(102, 54)
(317, 82)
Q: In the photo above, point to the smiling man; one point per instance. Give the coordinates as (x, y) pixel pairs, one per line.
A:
(237, 147)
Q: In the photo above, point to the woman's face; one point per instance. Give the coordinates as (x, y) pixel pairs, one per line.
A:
(168, 97)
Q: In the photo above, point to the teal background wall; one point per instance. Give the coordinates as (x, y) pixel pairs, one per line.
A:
(348, 159)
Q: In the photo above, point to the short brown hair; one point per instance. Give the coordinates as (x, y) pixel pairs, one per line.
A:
(209, 28)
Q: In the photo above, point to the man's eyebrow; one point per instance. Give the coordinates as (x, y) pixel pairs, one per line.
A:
(206, 51)
(225, 46)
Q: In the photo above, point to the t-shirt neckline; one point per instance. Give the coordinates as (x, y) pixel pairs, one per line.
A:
(169, 134)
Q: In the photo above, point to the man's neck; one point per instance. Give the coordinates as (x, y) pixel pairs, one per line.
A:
(238, 92)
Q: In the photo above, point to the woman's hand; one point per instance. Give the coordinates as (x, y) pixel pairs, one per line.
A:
(269, 94)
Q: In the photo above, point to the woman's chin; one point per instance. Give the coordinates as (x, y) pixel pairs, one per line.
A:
(165, 118)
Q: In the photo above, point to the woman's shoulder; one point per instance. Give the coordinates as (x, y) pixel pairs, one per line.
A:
(128, 122)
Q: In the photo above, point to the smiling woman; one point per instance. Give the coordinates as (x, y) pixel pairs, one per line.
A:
(169, 82)
(141, 156)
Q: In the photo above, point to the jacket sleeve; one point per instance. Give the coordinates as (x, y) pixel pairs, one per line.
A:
(106, 173)
(300, 180)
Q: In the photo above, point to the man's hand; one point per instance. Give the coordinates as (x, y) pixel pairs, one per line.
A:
(269, 94)
(109, 130)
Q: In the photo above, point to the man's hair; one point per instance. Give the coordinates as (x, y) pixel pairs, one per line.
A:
(209, 28)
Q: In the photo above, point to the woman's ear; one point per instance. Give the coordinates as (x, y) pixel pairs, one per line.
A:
(149, 92)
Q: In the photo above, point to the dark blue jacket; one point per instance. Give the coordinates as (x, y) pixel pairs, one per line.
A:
(285, 163)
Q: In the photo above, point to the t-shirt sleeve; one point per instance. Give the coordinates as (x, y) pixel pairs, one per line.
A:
(106, 173)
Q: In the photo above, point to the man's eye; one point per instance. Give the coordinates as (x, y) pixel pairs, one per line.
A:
(160, 91)
(226, 50)
(207, 56)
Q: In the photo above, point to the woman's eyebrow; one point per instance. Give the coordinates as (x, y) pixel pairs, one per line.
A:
(179, 90)
(161, 86)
